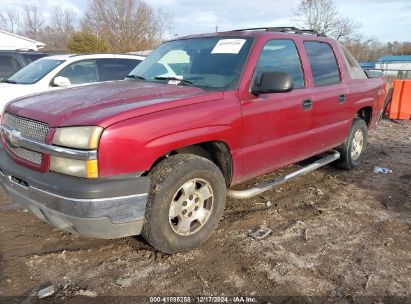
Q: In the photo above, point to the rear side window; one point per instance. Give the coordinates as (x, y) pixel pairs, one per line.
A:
(8, 65)
(323, 63)
(281, 55)
(115, 69)
(355, 70)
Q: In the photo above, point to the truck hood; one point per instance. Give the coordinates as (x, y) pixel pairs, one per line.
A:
(106, 103)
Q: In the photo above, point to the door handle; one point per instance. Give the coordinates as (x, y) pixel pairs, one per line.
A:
(341, 98)
(307, 104)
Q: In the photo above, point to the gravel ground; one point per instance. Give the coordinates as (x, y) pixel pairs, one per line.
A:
(337, 236)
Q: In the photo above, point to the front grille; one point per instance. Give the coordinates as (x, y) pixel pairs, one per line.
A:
(31, 156)
(30, 129)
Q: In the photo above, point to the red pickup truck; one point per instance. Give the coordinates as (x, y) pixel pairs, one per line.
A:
(155, 154)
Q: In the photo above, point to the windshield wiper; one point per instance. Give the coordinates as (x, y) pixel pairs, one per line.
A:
(181, 81)
(9, 81)
(135, 77)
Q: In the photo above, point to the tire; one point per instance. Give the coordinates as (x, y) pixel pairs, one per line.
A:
(166, 225)
(351, 157)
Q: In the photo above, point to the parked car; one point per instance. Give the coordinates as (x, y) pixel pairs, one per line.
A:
(12, 61)
(62, 71)
(155, 154)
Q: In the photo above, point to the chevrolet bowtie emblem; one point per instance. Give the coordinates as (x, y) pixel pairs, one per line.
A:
(13, 138)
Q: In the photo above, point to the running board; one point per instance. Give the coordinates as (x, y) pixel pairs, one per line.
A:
(243, 194)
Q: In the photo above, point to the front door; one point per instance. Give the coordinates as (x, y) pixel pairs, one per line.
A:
(277, 126)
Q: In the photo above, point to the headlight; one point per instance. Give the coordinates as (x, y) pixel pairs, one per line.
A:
(86, 138)
(74, 167)
(78, 137)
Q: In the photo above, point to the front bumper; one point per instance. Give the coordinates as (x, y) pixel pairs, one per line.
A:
(103, 208)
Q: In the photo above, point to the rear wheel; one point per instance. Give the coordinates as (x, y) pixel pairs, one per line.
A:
(185, 204)
(354, 148)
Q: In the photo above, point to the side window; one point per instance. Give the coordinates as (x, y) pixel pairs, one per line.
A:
(323, 63)
(354, 68)
(8, 65)
(84, 71)
(281, 56)
(115, 69)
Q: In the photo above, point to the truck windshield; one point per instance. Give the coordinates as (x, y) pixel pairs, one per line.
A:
(214, 63)
(34, 71)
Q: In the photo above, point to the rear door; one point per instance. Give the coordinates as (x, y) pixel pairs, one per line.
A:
(330, 111)
(277, 126)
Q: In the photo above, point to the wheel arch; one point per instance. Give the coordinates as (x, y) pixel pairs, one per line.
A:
(216, 151)
(366, 114)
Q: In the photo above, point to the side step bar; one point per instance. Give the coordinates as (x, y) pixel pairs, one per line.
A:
(243, 194)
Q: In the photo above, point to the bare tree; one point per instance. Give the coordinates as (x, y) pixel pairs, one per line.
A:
(59, 30)
(126, 24)
(10, 20)
(63, 20)
(322, 16)
(33, 21)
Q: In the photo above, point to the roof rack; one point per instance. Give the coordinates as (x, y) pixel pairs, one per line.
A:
(284, 29)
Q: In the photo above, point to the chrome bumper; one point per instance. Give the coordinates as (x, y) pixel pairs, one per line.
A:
(98, 218)
(99, 208)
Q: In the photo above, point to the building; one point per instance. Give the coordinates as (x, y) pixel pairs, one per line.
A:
(395, 66)
(367, 65)
(394, 63)
(10, 41)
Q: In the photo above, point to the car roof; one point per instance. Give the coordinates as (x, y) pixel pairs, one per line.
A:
(76, 57)
(281, 32)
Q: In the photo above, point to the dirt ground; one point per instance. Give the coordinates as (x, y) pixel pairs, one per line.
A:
(338, 237)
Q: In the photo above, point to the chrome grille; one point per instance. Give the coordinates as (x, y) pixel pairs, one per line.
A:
(30, 129)
(31, 156)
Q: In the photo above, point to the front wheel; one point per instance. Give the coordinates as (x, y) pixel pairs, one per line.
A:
(354, 148)
(186, 201)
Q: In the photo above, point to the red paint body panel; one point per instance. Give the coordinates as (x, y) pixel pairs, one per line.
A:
(145, 120)
(135, 144)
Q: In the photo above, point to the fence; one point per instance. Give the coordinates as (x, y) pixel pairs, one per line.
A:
(394, 74)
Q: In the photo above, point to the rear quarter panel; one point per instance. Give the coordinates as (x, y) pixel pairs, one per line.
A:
(367, 93)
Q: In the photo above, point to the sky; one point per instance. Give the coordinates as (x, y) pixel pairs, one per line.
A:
(385, 20)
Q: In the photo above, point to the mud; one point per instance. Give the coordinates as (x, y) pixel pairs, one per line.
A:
(338, 236)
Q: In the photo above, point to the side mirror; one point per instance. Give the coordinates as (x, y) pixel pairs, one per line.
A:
(273, 82)
(61, 81)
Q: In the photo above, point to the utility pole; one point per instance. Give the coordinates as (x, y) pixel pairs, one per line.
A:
(216, 28)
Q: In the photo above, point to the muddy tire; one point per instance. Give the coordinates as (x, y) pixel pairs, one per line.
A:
(186, 201)
(354, 148)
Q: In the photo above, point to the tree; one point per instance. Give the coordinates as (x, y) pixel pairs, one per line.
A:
(33, 21)
(83, 42)
(322, 16)
(128, 25)
(59, 30)
(10, 21)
